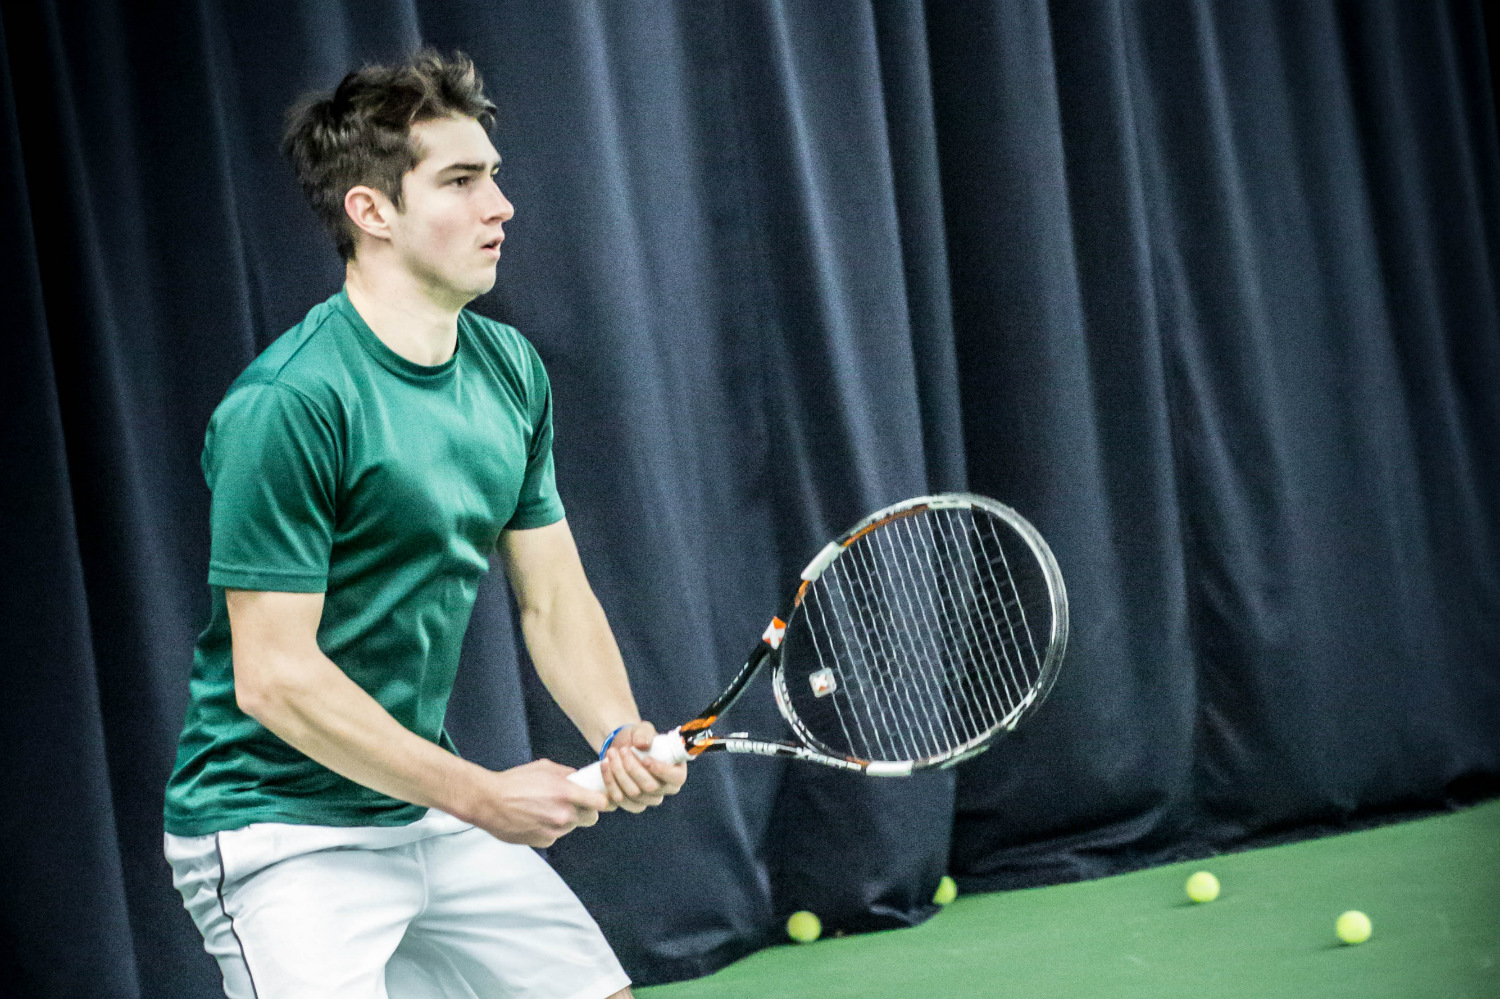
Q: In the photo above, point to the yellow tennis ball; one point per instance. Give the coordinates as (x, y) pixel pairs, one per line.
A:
(947, 891)
(803, 927)
(1203, 887)
(1353, 927)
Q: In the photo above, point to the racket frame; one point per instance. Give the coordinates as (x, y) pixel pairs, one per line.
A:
(698, 736)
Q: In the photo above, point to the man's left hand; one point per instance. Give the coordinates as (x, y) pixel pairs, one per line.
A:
(635, 783)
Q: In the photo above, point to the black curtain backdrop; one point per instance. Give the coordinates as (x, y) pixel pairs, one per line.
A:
(1206, 290)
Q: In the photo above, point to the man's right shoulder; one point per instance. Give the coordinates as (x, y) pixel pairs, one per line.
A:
(306, 360)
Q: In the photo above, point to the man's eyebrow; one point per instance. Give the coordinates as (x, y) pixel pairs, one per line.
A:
(471, 167)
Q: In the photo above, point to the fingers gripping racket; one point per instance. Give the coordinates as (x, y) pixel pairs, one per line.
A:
(917, 638)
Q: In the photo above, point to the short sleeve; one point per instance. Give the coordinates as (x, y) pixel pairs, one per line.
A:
(271, 461)
(538, 504)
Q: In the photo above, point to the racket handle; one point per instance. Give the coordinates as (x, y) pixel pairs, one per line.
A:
(667, 747)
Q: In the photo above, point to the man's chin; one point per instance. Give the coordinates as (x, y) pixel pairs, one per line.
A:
(485, 282)
(474, 286)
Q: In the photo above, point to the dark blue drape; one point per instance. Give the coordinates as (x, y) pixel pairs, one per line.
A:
(1206, 290)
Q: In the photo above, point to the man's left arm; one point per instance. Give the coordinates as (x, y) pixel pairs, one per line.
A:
(576, 656)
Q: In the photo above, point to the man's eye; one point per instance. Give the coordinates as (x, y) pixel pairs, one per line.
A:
(461, 181)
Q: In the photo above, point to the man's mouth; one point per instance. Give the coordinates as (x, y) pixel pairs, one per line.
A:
(493, 246)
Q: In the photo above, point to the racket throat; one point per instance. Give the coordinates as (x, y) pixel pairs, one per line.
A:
(699, 742)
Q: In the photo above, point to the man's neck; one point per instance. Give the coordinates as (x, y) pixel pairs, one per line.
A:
(402, 312)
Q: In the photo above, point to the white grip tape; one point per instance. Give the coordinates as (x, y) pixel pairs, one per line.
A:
(667, 747)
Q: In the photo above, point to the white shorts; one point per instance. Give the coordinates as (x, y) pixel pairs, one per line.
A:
(431, 909)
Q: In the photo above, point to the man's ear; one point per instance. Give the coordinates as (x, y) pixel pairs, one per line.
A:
(371, 210)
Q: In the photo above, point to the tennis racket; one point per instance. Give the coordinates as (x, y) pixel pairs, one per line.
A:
(927, 630)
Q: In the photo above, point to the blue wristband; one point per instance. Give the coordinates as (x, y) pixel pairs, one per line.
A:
(605, 748)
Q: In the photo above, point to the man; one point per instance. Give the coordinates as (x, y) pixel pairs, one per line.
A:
(323, 833)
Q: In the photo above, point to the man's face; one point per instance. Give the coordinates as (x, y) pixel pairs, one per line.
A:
(448, 232)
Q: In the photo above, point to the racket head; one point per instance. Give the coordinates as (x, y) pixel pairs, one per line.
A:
(922, 634)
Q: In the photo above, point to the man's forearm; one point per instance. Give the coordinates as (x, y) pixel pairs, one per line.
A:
(310, 703)
(576, 656)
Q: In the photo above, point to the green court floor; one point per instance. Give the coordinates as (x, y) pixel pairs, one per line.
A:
(1431, 888)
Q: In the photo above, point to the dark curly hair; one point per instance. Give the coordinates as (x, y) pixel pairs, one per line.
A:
(361, 133)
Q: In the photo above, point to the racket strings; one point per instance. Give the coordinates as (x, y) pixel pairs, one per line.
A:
(955, 694)
(923, 712)
(968, 641)
(924, 629)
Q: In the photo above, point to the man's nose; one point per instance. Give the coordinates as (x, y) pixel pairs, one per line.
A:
(501, 209)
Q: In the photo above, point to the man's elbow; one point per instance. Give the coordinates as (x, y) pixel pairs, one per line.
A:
(262, 690)
(251, 696)
(535, 616)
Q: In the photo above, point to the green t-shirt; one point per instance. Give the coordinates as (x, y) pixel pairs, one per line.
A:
(338, 466)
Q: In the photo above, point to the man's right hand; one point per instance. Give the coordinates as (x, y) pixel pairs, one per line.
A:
(534, 804)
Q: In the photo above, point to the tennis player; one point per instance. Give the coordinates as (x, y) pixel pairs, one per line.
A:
(325, 836)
